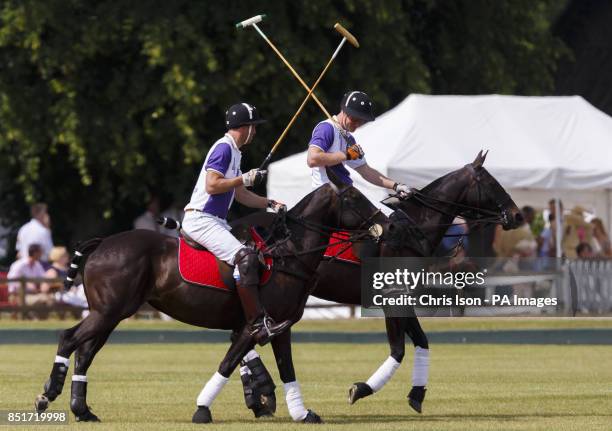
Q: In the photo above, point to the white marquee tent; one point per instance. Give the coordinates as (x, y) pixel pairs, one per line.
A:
(539, 148)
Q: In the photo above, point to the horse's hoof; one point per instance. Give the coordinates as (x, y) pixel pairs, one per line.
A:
(202, 416)
(41, 403)
(359, 390)
(312, 418)
(88, 416)
(263, 413)
(416, 397)
(268, 403)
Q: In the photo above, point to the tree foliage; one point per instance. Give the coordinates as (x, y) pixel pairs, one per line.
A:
(103, 103)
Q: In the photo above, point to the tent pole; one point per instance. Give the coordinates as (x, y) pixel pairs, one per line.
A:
(558, 215)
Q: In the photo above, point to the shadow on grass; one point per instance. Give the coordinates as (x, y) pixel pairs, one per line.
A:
(345, 419)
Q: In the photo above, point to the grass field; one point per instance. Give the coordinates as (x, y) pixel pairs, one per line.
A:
(472, 387)
(354, 325)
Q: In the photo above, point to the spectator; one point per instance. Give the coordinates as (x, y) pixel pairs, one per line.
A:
(584, 251)
(4, 243)
(546, 241)
(552, 250)
(30, 267)
(506, 241)
(601, 240)
(575, 231)
(36, 231)
(455, 235)
(147, 219)
(59, 259)
(528, 214)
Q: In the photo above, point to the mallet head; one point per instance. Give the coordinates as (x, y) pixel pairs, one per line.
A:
(251, 21)
(346, 34)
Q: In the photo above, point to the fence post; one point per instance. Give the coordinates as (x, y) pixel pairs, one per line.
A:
(22, 295)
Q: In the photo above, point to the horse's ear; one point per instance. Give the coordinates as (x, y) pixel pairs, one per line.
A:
(335, 182)
(480, 159)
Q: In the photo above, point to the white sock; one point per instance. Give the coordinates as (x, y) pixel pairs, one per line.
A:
(250, 356)
(420, 368)
(295, 403)
(212, 388)
(77, 378)
(383, 374)
(62, 360)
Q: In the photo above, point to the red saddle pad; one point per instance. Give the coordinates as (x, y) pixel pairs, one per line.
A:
(342, 250)
(200, 266)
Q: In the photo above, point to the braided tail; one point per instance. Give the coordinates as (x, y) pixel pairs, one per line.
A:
(78, 260)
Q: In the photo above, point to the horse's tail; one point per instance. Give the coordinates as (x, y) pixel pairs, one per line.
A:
(78, 260)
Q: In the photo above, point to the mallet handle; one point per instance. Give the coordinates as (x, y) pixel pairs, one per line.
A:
(308, 96)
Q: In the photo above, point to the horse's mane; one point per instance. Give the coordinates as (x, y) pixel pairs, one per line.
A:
(302, 204)
(436, 183)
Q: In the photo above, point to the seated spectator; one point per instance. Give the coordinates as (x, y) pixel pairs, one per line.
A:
(575, 231)
(75, 297)
(30, 267)
(36, 231)
(59, 259)
(584, 251)
(601, 240)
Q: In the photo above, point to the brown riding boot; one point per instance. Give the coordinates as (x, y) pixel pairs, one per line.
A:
(261, 326)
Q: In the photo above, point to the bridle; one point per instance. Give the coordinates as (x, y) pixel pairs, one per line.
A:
(472, 214)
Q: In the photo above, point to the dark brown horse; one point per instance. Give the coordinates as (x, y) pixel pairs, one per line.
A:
(123, 271)
(470, 192)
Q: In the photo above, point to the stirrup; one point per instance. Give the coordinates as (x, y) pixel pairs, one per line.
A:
(266, 324)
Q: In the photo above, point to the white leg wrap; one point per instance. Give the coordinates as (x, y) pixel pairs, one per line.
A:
(212, 388)
(295, 403)
(250, 356)
(62, 360)
(420, 368)
(383, 374)
(244, 370)
(77, 378)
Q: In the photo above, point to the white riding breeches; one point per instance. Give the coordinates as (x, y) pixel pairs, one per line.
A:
(213, 233)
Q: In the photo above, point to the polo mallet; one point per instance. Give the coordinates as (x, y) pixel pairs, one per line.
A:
(346, 35)
(258, 18)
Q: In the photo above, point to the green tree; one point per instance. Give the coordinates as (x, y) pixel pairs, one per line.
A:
(104, 103)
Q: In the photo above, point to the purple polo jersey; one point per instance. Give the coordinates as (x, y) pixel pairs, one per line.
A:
(224, 157)
(328, 138)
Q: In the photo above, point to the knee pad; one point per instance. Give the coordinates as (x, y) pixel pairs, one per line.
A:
(246, 260)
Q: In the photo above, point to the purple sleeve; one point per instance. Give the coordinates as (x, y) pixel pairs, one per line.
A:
(323, 136)
(219, 159)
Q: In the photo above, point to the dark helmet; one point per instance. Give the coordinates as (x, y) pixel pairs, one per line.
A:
(242, 114)
(357, 104)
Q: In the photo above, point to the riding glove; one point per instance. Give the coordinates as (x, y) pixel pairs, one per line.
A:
(254, 177)
(354, 152)
(276, 206)
(403, 190)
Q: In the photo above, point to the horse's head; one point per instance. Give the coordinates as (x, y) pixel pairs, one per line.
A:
(488, 197)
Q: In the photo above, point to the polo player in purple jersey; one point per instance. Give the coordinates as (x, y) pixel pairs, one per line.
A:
(219, 182)
(333, 146)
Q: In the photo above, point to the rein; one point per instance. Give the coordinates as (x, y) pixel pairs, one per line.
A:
(355, 235)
